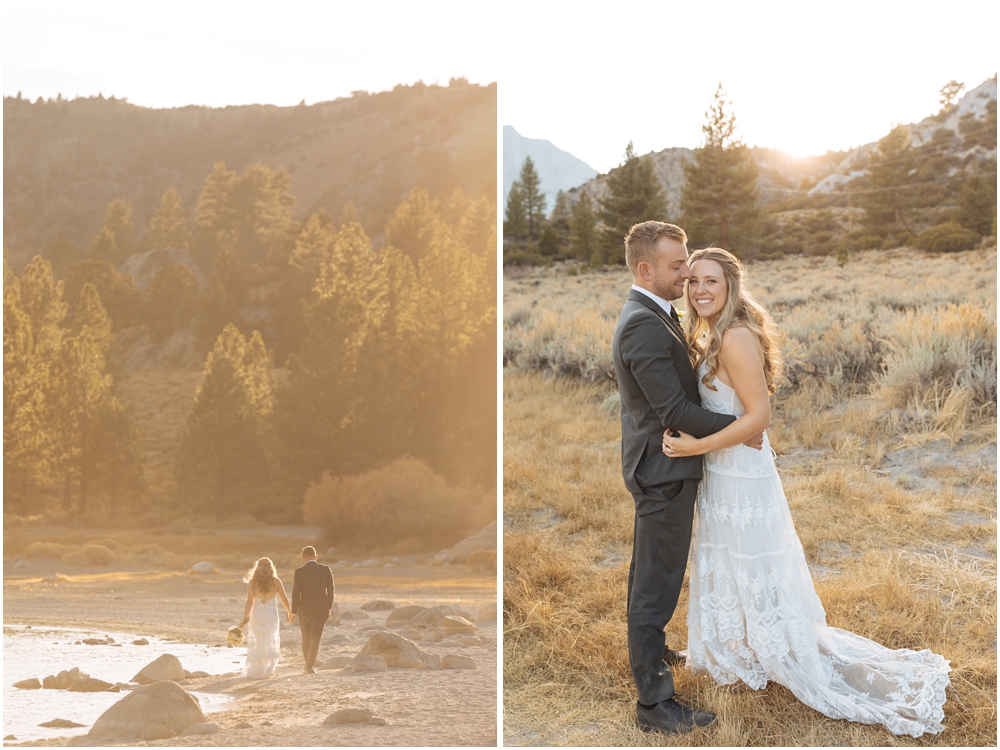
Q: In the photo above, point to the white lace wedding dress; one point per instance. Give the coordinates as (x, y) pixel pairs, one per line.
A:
(754, 614)
(263, 639)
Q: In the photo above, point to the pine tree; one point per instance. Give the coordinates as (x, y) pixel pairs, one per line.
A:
(977, 204)
(635, 194)
(223, 466)
(889, 203)
(515, 225)
(167, 227)
(171, 299)
(119, 296)
(534, 198)
(411, 227)
(721, 200)
(114, 241)
(584, 240)
(562, 215)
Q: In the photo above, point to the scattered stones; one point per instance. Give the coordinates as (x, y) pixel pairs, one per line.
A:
(107, 641)
(160, 704)
(395, 650)
(63, 680)
(455, 661)
(90, 685)
(369, 664)
(243, 725)
(379, 605)
(203, 568)
(354, 614)
(140, 642)
(60, 724)
(195, 675)
(157, 732)
(402, 615)
(166, 667)
(353, 716)
(208, 727)
(337, 662)
(30, 684)
(10, 737)
(452, 625)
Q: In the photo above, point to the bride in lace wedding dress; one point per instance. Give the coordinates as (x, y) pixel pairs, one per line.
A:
(753, 614)
(263, 635)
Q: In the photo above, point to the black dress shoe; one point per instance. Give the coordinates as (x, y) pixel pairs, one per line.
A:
(674, 658)
(672, 717)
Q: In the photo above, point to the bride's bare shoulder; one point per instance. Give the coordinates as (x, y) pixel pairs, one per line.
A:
(738, 343)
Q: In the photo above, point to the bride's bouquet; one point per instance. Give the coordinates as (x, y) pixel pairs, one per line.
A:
(235, 636)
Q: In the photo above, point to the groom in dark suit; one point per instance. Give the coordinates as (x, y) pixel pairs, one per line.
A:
(659, 391)
(312, 601)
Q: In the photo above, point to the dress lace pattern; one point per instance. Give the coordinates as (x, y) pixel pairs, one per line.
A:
(263, 639)
(754, 614)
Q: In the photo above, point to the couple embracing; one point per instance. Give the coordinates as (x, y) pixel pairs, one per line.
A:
(695, 402)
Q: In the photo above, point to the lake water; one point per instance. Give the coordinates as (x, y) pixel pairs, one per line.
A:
(37, 652)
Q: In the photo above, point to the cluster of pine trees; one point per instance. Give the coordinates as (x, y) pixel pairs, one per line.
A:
(383, 349)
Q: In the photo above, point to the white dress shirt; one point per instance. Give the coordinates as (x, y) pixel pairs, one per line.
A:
(664, 304)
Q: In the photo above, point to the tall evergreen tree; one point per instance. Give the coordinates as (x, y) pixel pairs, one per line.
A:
(515, 224)
(120, 298)
(635, 194)
(721, 200)
(114, 241)
(534, 198)
(584, 239)
(562, 216)
(889, 202)
(167, 227)
(977, 204)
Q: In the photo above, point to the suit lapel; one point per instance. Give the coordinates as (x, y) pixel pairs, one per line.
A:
(672, 326)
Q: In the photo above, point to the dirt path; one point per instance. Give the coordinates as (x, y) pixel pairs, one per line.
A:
(421, 707)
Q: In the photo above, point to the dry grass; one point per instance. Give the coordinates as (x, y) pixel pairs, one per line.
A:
(894, 501)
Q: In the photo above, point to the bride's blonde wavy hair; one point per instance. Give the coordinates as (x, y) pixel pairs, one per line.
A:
(740, 309)
(262, 576)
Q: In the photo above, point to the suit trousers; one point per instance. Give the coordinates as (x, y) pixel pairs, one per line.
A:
(312, 626)
(659, 558)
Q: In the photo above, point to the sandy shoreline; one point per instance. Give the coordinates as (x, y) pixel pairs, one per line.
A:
(421, 706)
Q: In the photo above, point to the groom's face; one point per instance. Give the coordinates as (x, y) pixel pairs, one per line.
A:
(666, 278)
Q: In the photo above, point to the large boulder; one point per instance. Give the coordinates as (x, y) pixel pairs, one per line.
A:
(166, 667)
(203, 568)
(396, 650)
(456, 661)
(485, 539)
(29, 684)
(402, 615)
(354, 614)
(162, 704)
(368, 664)
(90, 685)
(379, 605)
(456, 625)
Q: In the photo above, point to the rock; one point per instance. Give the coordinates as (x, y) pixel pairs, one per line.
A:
(375, 628)
(402, 615)
(485, 539)
(64, 679)
(166, 667)
(337, 662)
(413, 635)
(10, 737)
(208, 727)
(368, 664)
(454, 661)
(157, 732)
(433, 635)
(379, 605)
(353, 716)
(470, 640)
(203, 568)
(426, 619)
(95, 641)
(433, 661)
(243, 725)
(354, 614)
(61, 724)
(453, 625)
(30, 684)
(160, 704)
(90, 685)
(195, 675)
(395, 650)
(49, 683)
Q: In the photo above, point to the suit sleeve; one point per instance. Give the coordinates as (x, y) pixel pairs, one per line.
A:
(296, 593)
(329, 588)
(648, 349)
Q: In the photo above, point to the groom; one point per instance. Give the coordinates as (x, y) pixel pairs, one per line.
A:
(659, 391)
(312, 601)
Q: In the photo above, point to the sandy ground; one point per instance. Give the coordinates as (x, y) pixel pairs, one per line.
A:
(422, 707)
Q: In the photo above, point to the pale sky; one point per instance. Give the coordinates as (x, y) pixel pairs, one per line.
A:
(803, 76)
(219, 52)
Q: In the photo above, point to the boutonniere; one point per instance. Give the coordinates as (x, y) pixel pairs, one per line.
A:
(681, 314)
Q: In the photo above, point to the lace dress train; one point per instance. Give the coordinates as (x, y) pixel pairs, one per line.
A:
(263, 639)
(754, 614)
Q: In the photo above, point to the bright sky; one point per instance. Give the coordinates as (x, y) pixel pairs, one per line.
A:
(219, 52)
(803, 76)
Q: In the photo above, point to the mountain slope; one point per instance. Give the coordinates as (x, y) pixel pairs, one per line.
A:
(64, 161)
(557, 169)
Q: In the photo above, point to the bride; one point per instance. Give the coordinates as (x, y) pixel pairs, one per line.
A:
(754, 615)
(261, 611)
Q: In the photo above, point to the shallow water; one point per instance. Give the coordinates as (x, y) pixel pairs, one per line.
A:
(37, 652)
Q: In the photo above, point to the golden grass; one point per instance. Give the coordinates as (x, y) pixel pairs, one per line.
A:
(895, 506)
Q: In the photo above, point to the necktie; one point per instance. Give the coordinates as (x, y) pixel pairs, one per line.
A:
(674, 315)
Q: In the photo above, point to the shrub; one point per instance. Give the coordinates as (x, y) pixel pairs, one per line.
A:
(949, 237)
(402, 503)
(90, 555)
(483, 559)
(46, 549)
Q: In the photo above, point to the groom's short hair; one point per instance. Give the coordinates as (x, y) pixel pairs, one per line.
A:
(640, 243)
(309, 552)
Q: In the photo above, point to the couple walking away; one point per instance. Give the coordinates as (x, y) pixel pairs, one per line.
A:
(695, 402)
(312, 603)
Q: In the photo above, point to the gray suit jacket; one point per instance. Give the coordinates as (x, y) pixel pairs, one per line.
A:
(659, 389)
